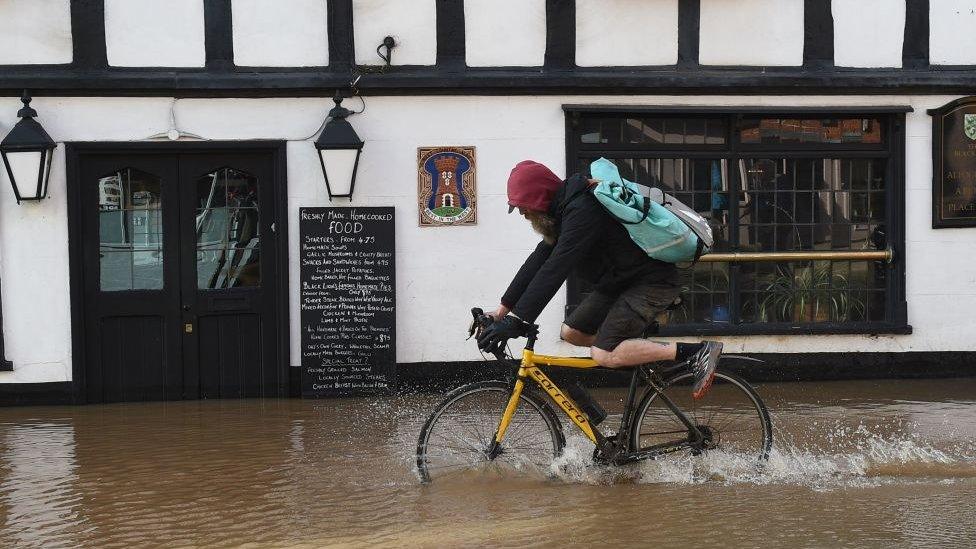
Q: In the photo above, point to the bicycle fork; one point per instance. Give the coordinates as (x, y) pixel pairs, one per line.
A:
(495, 448)
(567, 404)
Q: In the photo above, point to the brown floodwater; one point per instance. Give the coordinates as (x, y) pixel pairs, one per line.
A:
(855, 464)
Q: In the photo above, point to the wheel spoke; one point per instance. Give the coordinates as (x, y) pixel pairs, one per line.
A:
(732, 417)
(460, 432)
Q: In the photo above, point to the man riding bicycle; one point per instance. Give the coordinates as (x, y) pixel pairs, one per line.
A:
(630, 288)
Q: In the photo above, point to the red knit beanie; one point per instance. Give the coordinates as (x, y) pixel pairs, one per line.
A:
(531, 186)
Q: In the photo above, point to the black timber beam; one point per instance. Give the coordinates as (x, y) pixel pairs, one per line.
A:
(342, 57)
(560, 34)
(65, 81)
(818, 34)
(689, 32)
(219, 33)
(88, 34)
(450, 35)
(915, 49)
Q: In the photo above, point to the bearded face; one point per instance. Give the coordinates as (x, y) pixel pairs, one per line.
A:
(544, 224)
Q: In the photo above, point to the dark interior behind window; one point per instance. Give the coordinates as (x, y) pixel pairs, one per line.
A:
(769, 183)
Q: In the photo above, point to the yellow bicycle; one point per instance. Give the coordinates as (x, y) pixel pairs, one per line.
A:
(466, 432)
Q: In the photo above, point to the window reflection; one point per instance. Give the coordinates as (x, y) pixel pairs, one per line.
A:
(811, 204)
(130, 231)
(825, 188)
(653, 130)
(820, 130)
(227, 230)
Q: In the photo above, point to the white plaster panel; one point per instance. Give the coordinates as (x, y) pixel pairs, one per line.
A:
(918, 172)
(412, 23)
(505, 33)
(281, 33)
(626, 32)
(35, 32)
(751, 32)
(868, 33)
(951, 37)
(504, 130)
(149, 33)
(36, 300)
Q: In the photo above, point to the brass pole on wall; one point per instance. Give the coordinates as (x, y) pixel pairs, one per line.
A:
(766, 257)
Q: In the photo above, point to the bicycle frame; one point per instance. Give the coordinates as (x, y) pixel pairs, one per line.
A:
(529, 369)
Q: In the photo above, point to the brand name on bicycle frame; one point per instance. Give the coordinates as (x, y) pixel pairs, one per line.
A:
(564, 402)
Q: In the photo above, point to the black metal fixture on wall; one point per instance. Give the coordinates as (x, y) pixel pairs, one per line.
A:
(389, 43)
(339, 148)
(27, 152)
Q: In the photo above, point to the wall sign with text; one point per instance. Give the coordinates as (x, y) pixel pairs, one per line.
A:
(954, 164)
(447, 191)
(348, 301)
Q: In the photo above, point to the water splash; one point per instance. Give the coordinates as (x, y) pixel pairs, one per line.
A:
(850, 456)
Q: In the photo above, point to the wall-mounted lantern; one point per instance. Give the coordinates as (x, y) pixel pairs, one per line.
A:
(27, 151)
(339, 147)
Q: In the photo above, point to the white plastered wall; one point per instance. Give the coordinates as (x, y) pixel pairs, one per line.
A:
(751, 32)
(412, 23)
(480, 260)
(280, 33)
(868, 33)
(626, 32)
(35, 32)
(952, 40)
(502, 33)
(150, 33)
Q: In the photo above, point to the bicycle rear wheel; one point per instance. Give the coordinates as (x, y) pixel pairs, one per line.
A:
(732, 417)
(457, 438)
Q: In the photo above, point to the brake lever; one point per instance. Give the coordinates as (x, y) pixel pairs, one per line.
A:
(479, 321)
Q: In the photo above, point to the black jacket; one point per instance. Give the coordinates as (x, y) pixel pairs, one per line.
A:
(592, 243)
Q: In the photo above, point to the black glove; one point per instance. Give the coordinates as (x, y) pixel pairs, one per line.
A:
(493, 338)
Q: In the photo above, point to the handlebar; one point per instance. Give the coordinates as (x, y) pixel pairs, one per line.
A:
(480, 321)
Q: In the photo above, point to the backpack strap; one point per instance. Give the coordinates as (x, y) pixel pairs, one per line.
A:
(566, 202)
(645, 210)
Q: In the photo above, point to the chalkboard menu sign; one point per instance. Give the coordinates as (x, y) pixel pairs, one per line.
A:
(347, 299)
(954, 164)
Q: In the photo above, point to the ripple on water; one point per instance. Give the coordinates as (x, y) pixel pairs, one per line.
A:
(315, 473)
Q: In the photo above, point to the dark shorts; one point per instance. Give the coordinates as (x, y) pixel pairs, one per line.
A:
(615, 318)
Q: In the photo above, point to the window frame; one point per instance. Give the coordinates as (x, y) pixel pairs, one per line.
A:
(891, 149)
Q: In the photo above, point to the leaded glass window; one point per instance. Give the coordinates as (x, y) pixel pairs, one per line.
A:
(769, 184)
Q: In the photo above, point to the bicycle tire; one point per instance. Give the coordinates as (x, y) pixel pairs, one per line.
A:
(742, 402)
(534, 437)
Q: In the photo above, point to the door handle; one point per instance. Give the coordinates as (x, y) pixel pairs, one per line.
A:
(188, 328)
(186, 307)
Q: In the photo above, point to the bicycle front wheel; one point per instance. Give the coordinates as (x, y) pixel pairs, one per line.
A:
(457, 438)
(732, 418)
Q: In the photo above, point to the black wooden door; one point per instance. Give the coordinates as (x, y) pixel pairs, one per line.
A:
(130, 208)
(227, 275)
(179, 270)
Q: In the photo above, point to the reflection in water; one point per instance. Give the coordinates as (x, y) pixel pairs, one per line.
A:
(38, 486)
(852, 466)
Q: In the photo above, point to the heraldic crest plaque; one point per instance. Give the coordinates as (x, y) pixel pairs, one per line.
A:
(446, 187)
(954, 164)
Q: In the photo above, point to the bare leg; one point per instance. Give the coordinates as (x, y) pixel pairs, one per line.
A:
(576, 337)
(633, 352)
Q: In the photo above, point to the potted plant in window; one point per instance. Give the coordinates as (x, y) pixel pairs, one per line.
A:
(813, 293)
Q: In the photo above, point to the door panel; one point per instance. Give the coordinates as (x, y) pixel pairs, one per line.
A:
(230, 346)
(179, 273)
(228, 274)
(134, 359)
(131, 282)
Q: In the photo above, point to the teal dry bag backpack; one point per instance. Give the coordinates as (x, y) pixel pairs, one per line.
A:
(659, 224)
